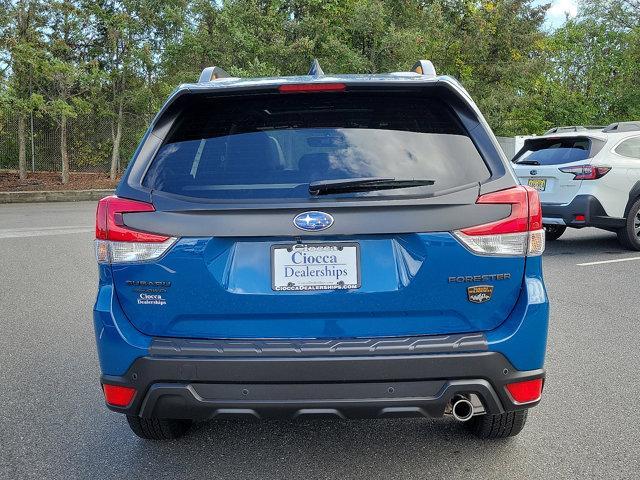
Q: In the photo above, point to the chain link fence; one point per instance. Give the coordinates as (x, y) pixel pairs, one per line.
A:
(89, 142)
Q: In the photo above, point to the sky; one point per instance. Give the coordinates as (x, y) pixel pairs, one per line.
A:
(559, 9)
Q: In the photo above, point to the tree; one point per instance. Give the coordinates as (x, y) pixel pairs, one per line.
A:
(494, 48)
(620, 13)
(128, 37)
(593, 69)
(121, 58)
(21, 40)
(66, 71)
(68, 84)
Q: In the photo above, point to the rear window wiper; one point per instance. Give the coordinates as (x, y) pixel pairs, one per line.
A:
(345, 185)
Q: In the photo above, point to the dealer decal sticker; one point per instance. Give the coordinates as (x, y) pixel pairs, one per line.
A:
(151, 299)
(479, 293)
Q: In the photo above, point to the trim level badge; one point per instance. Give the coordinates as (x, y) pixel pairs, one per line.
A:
(479, 293)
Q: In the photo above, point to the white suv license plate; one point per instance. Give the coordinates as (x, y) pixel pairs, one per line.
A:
(315, 266)
(539, 184)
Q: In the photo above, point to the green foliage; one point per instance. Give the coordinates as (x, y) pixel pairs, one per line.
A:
(119, 59)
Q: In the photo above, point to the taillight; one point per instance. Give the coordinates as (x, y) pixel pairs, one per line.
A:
(528, 391)
(117, 243)
(586, 172)
(311, 87)
(117, 395)
(519, 234)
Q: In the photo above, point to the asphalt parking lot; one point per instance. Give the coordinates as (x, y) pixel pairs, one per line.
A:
(53, 423)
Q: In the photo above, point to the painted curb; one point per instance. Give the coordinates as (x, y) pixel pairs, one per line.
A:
(53, 196)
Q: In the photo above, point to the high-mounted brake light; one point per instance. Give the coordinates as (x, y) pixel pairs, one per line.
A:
(586, 172)
(117, 243)
(118, 396)
(518, 234)
(528, 391)
(311, 87)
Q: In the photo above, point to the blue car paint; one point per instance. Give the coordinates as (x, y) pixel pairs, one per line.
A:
(119, 343)
(221, 288)
(521, 336)
(514, 325)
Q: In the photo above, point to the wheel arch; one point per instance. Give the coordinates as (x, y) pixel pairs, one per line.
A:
(634, 194)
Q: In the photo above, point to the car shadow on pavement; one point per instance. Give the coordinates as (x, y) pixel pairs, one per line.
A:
(589, 241)
(323, 449)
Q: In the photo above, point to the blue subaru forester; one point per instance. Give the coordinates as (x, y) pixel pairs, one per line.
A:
(343, 246)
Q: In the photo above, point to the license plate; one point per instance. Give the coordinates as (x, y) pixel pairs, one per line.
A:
(539, 184)
(315, 266)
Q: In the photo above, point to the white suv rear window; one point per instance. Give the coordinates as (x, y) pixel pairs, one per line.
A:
(556, 151)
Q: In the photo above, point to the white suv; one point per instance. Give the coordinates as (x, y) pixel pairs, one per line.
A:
(586, 177)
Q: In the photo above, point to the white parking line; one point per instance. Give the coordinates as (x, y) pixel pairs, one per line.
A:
(44, 231)
(618, 260)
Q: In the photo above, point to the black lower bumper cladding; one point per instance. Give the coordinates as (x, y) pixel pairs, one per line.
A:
(348, 386)
(587, 205)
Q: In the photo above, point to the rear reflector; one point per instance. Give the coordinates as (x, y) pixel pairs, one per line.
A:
(312, 87)
(525, 392)
(519, 234)
(117, 243)
(117, 395)
(580, 218)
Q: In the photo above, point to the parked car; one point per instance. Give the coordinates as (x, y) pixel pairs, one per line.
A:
(320, 246)
(586, 177)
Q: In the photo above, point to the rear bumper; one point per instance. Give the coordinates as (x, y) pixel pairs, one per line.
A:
(344, 377)
(202, 387)
(587, 205)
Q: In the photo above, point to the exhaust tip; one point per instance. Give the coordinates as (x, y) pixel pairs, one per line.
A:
(462, 409)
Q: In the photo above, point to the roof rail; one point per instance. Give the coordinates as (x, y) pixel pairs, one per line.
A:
(424, 67)
(315, 70)
(573, 128)
(212, 73)
(622, 127)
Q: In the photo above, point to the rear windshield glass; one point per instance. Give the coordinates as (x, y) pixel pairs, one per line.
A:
(554, 151)
(271, 146)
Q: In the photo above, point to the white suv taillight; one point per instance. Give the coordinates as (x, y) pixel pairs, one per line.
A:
(586, 172)
(519, 234)
(117, 243)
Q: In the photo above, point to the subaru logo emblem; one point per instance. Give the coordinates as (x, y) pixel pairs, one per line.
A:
(533, 172)
(313, 221)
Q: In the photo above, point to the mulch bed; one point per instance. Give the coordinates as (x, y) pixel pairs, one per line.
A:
(10, 182)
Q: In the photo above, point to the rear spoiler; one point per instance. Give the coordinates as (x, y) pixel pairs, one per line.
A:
(211, 74)
(214, 77)
(596, 143)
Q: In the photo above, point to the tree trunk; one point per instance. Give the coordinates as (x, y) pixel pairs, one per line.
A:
(22, 147)
(63, 150)
(116, 134)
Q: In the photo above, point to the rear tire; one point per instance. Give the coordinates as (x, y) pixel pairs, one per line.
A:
(629, 235)
(503, 425)
(553, 232)
(158, 428)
